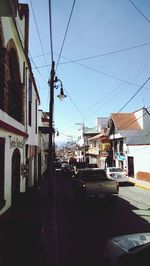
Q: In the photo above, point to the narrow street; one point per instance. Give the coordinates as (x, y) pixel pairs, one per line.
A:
(83, 228)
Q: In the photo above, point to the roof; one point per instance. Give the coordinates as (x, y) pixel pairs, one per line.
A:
(93, 130)
(125, 121)
(99, 136)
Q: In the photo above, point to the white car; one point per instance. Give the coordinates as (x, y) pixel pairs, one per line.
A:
(117, 173)
(128, 250)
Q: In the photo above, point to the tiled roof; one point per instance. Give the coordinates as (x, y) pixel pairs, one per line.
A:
(96, 137)
(125, 121)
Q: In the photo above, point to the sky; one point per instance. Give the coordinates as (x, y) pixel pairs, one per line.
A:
(105, 58)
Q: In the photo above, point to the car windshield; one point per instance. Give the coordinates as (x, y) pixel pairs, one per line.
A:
(136, 256)
(115, 169)
(136, 248)
(93, 175)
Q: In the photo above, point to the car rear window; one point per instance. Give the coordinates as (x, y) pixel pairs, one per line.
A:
(115, 170)
(93, 175)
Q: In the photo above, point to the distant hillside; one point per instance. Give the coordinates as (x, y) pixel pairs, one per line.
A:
(61, 143)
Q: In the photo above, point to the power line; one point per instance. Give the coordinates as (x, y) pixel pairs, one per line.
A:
(65, 33)
(37, 68)
(50, 27)
(105, 54)
(99, 72)
(134, 95)
(74, 103)
(139, 11)
(99, 55)
(112, 94)
(131, 99)
(38, 31)
(132, 122)
(21, 34)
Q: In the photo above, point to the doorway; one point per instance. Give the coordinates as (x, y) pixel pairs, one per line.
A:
(130, 166)
(15, 191)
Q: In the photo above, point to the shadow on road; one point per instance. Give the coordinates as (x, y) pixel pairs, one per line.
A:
(84, 226)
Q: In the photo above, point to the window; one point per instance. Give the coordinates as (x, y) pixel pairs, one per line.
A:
(121, 147)
(15, 107)
(35, 116)
(115, 146)
(30, 103)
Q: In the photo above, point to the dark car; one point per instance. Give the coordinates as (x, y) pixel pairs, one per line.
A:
(93, 182)
(92, 165)
(128, 250)
(79, 165)
(65, 166)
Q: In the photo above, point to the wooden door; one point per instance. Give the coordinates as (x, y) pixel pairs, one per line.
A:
(15, 175)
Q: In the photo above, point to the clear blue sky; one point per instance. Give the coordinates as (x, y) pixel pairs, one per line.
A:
(104, 83)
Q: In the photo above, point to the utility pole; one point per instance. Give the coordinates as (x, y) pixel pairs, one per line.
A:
(50, 150)
(84, 148)
(53, 80)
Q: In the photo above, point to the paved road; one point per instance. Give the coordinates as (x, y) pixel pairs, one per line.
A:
(140, 200)
(83, 228)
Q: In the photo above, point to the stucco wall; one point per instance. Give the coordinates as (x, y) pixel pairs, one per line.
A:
(141, 154)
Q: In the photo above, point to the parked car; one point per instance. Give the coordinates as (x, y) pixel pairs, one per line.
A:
(65, 166)
(128, 250)
(57, 166)
(94, 182)
(79, 165)
(117, 173)
(92, 165)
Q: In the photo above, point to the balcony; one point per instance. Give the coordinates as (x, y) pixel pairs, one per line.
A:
(93, 151)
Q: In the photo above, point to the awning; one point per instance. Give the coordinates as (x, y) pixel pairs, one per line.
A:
(120, 157)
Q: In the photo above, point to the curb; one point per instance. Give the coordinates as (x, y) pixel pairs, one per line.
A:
(139, 183)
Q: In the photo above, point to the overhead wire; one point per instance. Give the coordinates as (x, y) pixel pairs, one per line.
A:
(116, 91)
(105, 54)
(73, 103)
(50, 30)
(95, 56)
(139, 11)
(110, 99)
(132, 122)
(66, 33)
(83, 58)
(104, 74)
(43, 54)
(134, 95)
(20, 31)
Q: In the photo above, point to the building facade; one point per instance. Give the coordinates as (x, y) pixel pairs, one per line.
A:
(130, 139)
(19, 101)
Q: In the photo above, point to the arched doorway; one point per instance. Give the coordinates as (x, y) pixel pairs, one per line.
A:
(15, 176)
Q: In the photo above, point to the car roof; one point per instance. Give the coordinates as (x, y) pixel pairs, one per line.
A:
(87, 169)
(114, 167)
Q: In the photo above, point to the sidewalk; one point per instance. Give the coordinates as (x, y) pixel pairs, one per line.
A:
(22, 232)
(140, 183)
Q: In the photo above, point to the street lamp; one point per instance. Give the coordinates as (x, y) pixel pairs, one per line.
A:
(53, 84)
(61, 95)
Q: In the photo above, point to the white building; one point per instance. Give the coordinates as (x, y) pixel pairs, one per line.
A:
(82, 143)
(130, 137)
(19, 101)
(43, 122)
